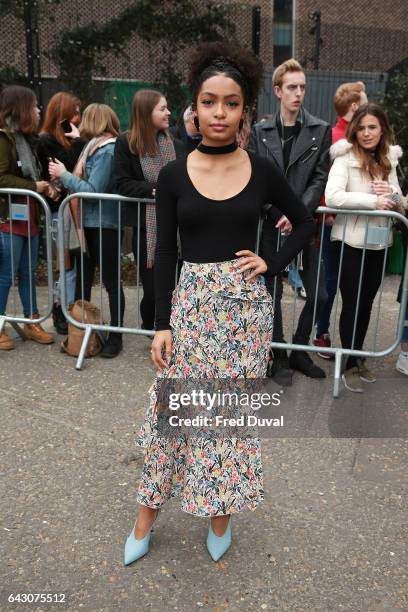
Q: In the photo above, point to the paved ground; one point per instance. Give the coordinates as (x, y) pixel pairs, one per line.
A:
(331, 534)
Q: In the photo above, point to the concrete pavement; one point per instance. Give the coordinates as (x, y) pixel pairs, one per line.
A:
(330, 535)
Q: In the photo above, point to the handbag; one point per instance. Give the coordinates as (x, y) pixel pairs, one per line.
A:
(84, 312)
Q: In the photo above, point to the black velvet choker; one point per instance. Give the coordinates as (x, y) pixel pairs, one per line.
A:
(229, 148)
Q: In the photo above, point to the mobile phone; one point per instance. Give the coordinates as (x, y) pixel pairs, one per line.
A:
(395, 197)
(66, 126)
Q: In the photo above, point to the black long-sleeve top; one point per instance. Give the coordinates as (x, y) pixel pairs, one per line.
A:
(130, 181)
(50, 147)
(214, 230)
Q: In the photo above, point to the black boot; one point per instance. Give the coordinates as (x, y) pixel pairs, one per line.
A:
(60, 322)
(112, 346)
(300, 360)
(278, 367)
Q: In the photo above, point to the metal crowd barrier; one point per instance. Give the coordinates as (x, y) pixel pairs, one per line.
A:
(89, 328)
(338, 351)
(18, 200)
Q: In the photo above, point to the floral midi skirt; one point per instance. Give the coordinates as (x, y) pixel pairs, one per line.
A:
(222, 328)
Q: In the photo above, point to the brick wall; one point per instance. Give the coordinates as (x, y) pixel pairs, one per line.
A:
(369, 35)
(139, 59)
(365, 35)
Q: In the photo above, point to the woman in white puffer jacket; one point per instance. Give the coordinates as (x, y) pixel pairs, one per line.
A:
(363, 177)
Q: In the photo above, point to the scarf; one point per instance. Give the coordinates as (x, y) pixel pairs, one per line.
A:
(72, 213)
(88, 151)
(26, 156)
(151, 166)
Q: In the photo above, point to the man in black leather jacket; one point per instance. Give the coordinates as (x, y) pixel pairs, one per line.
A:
(299, 145)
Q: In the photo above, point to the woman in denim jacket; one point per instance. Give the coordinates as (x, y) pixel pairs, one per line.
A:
(93, 173)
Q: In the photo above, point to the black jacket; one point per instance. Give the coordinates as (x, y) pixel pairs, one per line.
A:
(50, 147)
(309, 161)
(129, 180)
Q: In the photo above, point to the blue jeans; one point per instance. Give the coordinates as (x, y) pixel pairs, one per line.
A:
(294, 277)
(331, 257)
(22, 248)
(70, 277)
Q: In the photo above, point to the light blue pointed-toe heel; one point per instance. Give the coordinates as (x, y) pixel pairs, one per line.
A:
(134, 548)
(218, 545)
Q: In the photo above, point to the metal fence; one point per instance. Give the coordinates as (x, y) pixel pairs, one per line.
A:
(98, 199)
(18, 201)
(337, 351)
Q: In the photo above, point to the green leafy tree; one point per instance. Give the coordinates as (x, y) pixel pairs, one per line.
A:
(170, 26)
(11, 76)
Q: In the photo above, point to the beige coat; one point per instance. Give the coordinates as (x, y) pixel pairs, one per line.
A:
(348, 188)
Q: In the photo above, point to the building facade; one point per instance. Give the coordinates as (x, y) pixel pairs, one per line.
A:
(362, 36)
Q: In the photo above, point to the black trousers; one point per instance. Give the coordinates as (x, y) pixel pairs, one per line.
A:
(269, 246)
(147, 304)
(109, 274)
(349, 280)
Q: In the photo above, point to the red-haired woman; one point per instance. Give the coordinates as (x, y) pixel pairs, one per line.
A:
(63, 112)
(363, 177)
(20, 169)
(139, 156)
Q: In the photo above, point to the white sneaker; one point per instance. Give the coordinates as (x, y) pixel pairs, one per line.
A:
(402, 364)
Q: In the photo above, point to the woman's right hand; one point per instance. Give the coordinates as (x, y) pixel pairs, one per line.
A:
(161, 347)
(41, 186)
(384, 203)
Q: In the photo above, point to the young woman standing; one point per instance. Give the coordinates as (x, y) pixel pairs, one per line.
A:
(93, 174)
(219, 322)
(20, 169)
(56, 143)
(140, 154)
(363, 176)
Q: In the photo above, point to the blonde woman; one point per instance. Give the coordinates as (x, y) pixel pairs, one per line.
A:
(93, 173)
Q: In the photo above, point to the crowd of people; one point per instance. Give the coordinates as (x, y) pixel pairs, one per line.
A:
(210, 181)
(352, 165)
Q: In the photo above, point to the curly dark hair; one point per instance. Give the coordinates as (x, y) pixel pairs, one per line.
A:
(241, 65)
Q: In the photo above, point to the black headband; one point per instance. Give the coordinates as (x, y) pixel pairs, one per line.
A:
(221, 64)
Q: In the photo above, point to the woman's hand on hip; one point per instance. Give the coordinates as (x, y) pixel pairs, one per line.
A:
(251, 261)
(161, 349)
(384, 203)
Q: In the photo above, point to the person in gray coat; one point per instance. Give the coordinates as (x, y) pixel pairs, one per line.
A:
(298, 143)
